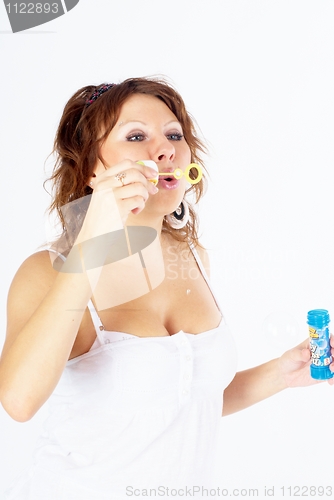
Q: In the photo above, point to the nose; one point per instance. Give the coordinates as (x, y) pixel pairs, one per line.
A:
(164, 150)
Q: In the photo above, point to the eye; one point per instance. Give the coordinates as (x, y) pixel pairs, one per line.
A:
(175, 136)
(135, 137)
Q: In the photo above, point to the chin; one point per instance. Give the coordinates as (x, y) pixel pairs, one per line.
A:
(165, 204)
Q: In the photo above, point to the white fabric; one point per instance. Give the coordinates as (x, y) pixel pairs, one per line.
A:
(133, 413)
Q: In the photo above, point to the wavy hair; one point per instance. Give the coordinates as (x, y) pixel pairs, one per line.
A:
(79, 138)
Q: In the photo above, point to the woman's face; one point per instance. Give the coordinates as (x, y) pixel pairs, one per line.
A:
(148, 130)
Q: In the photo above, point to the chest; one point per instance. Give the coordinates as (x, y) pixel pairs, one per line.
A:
(183, 301)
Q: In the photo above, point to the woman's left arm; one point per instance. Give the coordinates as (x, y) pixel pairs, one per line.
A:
(250, 386)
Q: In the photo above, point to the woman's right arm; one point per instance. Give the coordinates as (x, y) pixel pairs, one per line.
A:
(44, 312)
(45, 308)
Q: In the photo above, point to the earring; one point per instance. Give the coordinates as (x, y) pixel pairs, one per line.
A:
(179, 218)
(91, 182)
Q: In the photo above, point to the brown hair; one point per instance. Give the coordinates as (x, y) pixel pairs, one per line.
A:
(78, 140)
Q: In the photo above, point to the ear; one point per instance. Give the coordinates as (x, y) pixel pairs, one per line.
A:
(98, 169)
(90, 182)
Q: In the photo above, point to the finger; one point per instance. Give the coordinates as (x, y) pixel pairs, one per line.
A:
(126, 165)
(123, 178)
(150, 163)
(134, 204)
(131, 198)
(305, 355)
(131, 191)
(331, 367)
(304, 345)
(301, 353)
(135, 178)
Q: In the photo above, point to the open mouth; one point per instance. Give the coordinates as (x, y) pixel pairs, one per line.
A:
(168, 182)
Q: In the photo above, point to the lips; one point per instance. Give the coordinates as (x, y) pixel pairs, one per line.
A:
(168, 182)
(168, 178)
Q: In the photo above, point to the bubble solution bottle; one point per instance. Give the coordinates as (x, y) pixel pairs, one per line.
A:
(318, 323)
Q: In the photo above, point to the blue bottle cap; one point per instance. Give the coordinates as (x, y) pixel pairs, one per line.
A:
(321, 372)
(318, 318)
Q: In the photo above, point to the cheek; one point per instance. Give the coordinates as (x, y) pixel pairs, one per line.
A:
(109, 155)
(185, 153)
(100, 168)
(122, 151)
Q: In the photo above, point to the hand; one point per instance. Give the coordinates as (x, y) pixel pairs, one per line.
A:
(294, 366)
(114, 198)
(129, 182)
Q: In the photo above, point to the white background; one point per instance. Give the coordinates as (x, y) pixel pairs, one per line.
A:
(258, 77)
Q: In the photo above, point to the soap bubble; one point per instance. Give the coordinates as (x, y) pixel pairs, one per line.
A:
(280, 330)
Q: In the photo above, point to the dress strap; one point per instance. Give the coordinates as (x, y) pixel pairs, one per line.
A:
(95, 317)
(204, 274)
(57, 253)
(98, 325)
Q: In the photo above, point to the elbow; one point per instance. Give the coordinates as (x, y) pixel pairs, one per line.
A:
(16, 407)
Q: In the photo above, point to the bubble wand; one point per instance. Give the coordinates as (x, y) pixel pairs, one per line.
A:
(177, 173)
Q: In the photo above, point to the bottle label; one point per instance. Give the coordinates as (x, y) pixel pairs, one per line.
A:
(320, 346)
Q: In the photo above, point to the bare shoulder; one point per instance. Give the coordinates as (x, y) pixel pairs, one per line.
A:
(36, 272)
(30, 284)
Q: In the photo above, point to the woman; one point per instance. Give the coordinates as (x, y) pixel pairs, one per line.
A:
(133, 355)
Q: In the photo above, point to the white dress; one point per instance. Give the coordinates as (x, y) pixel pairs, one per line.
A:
(133, 415)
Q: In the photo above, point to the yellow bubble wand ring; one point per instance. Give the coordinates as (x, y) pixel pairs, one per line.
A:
(178, 173)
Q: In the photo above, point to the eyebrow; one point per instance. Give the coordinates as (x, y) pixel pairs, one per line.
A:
(130, 121)
(143, 123)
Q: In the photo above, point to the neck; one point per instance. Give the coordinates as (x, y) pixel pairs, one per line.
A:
(145, 220)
